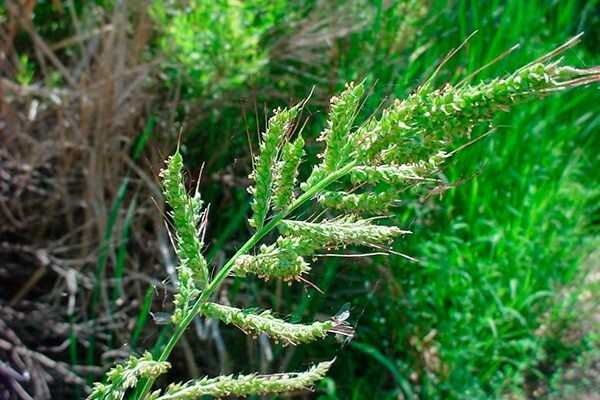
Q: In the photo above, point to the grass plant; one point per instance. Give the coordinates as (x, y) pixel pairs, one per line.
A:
(402, 149)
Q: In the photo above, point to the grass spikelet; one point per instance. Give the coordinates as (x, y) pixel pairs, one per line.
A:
(247, 385)
(272, 138)
(368, 202)
(429, 121)
(186, 218)
(342, 232)
(282, 260)
(291, 157)
(394, 174)
(125, 376)
(264, 322)
(338, 146)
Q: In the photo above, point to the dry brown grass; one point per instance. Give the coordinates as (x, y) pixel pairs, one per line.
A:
(65, 150)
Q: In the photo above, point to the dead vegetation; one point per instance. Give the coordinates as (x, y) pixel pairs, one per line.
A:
(65, 153)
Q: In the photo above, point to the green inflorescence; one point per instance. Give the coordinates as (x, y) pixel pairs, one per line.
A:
(395, 174)
(264, 322)
(339, 148)
(247, 385)
(341, 232)
(270, 146)
(429, 121)
(126, 376)
(367, 202)
(287, 173)
(186, 215)
(283, 259)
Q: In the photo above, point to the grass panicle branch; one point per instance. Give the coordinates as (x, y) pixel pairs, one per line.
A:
(253, 323)
(340, 232)
(396, 174)
(429, 121)
(343, 112)
(285, 259)
(287, 173)
(125, 376)
(247, 385)
(281, 260)
(186, 215)
(366, 203)
(272, 139)
(338, 149)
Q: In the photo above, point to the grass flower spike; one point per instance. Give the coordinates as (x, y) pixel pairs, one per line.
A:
(272, 140)
(287, 173)
(186, 215)
(126, 376)
(264, 322)
(247, 385)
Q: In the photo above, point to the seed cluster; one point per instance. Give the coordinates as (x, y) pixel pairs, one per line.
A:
(265, 162)
(264, 322)
(125, 376)
(186, 214)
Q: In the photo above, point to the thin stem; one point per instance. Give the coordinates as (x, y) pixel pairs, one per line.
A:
(228, 267)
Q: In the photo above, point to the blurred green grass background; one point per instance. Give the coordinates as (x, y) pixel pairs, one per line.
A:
(491, 307)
